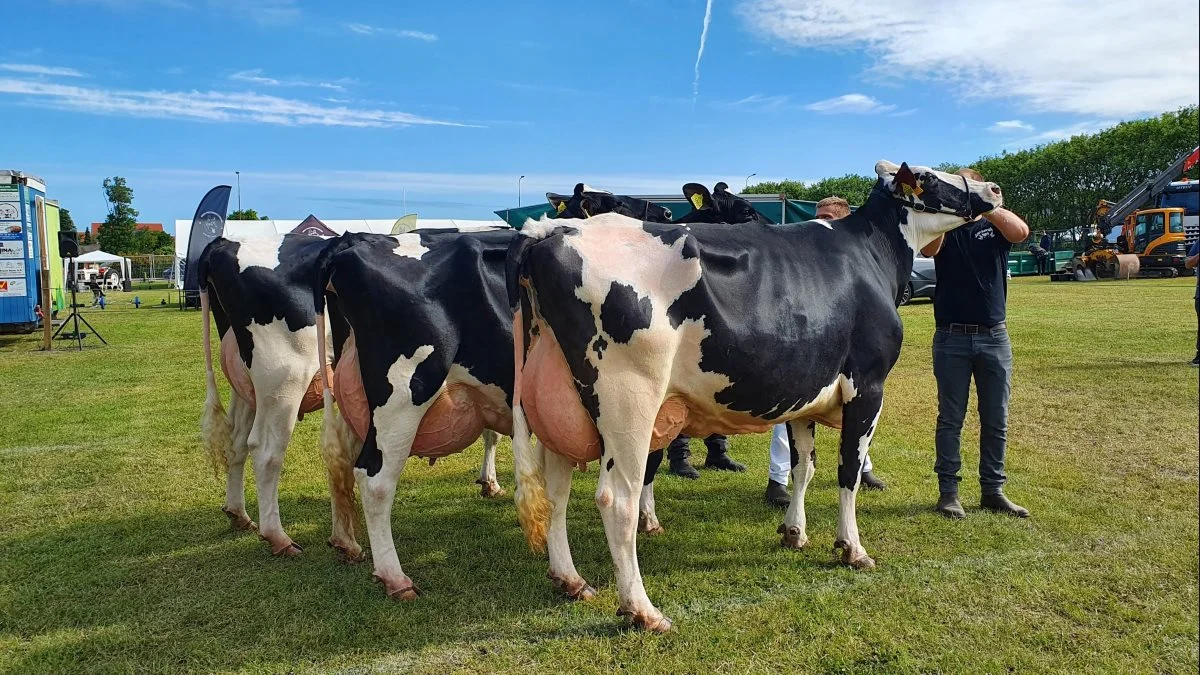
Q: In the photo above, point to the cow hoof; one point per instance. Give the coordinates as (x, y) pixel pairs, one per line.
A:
(858, 560)
(403, 590)
(240, 521)
(489, 488)
(349, 554)
(646, 622)
(792, 537)
(576, 590)
(652, 528)
(290, 551)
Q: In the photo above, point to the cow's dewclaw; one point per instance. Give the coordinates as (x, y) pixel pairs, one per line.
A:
(240, 521)
(792, 537)
(650, 528)
(489, 488)
(577, 590)
(347, 553)
(656, 623)
(402, 589)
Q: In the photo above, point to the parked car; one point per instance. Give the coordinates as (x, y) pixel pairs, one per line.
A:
(922, 281)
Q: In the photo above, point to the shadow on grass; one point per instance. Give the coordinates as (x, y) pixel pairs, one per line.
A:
(170, 588)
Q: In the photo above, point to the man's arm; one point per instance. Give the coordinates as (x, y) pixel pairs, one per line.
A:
(931, 249)
(1010, 224)
(1193, 258)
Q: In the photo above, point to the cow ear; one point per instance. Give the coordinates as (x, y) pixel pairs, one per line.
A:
(558, 202)
(698, 195)
(579, 187)
(905, 176)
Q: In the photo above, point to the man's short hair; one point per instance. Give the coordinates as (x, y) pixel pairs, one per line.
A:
(968, 172)
(839, 206)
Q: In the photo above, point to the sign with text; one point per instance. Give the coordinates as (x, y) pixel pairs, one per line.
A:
(12, 249)
(12, 287)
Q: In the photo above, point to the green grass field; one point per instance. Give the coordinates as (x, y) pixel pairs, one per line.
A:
(114, 555)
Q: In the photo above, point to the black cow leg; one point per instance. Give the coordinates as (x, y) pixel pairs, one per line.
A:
(859, 418)
(647, 518)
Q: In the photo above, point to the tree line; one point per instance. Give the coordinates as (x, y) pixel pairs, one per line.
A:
(1055, 186)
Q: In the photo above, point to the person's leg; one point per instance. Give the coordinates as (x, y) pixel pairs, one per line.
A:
(677, 458)
(780, 467)
(718, 454)
(952, 370)
(993, 383)
(869, 480)
(1196, 361)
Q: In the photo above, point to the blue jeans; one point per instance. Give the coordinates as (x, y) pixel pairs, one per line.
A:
(956, 358)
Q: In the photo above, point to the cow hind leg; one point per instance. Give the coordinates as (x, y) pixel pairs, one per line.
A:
(378, 492)
(339, 447)
(647, 518)
(801, 437)
(241, 418)
(859, 418)
(625, 432)
(274, 420)
(489, 486)
(558, 489)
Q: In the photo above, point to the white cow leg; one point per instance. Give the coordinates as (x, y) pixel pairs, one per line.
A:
(241, 417)
(274, 420)
(859, 418)
(489, 486)
(378, 492)
(558, 489)
(801, 438)
(622, 470)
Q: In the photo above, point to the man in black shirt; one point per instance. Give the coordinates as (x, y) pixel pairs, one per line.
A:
(972, 340)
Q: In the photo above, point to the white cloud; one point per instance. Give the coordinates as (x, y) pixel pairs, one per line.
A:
(33, 69)
(1103, 59)
(365, 29)
(211, 106)
(757, 102)
(700, 52)
(256, 76)
(1062, 133)
(854, 104)
(1010, 126)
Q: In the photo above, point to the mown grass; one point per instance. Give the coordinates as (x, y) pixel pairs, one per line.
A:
(115, 557)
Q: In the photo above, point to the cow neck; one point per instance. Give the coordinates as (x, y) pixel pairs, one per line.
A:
(883, 216)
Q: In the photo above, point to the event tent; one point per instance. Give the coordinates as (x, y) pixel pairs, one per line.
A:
(272, 228)
(101, 258)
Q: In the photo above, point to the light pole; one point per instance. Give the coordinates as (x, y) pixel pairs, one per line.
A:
(747, 184)
(519, 191)
(239, 184)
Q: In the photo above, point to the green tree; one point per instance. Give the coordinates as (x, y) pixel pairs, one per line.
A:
(246, 214)
(87, 236)
(116, 234)
(65, 223)
(851, 187)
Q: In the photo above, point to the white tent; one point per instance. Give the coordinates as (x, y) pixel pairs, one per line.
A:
(101, 258)
(243, 229)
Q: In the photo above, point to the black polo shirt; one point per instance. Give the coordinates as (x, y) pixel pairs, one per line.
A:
(972, 284)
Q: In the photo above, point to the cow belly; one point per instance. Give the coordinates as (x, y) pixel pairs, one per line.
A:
(239, 377)
(557, 416)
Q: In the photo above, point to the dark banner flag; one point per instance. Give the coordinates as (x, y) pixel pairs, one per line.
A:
(207, 224)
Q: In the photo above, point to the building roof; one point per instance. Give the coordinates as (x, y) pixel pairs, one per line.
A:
(152, 227)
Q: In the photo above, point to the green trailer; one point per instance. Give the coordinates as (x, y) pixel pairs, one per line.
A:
(778, 208)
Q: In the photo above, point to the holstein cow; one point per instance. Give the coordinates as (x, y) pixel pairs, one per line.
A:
(629, 332)
(427, 364)
(259, 291)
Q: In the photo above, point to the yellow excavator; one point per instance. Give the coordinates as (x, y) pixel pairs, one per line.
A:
(1152, 241)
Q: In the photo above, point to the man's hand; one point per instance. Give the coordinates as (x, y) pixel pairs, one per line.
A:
(1191, 262)
(1010, 224)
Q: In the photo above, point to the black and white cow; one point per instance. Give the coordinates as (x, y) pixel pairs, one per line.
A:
(427, 365)
(259, 292)
(629, 332)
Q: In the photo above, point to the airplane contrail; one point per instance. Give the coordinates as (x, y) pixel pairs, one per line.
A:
(700, 53)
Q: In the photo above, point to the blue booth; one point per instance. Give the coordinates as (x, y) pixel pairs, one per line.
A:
(20, 250)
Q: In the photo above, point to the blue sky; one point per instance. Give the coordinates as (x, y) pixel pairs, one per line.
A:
(358, 109)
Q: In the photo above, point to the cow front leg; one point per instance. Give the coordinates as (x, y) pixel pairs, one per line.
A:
(622, 471)
(801, 438)
(558, 489)
(859, 418)
(647, 518)
(241, 418)
(489, 486)
(274, 420)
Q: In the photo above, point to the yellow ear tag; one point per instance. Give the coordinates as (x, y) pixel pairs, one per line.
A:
(560, 207)
(906, 189)
(918, 190)
(698, 201)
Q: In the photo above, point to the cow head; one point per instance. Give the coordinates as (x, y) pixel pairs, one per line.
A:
(586, 202)
(935, 201)
(719, 206)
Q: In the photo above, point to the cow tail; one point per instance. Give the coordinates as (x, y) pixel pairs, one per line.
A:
(216, 431)
(533, 507)
(336, 439)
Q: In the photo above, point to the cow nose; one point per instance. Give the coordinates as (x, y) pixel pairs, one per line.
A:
(995, 189)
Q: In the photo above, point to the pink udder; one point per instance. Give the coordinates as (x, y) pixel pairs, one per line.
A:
(349, 393)
(239, 377)
(557, 416)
